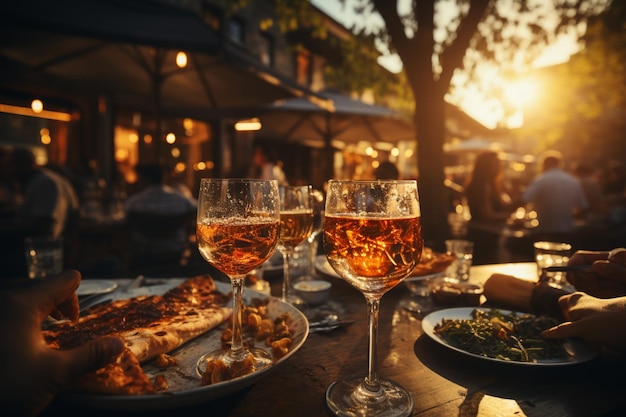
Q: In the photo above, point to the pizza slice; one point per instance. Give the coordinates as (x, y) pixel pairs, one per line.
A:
(149, 326)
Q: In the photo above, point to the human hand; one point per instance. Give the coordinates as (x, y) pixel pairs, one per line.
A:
(33, 373)
(597, 320)
(606, 279)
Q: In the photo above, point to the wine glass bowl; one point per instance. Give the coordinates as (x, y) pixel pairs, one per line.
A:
(238, 225)
(373, 240)
(296, 224)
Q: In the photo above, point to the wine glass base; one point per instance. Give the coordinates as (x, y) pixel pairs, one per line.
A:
(417, 304)
(294, 300)
(350, 397)
(257, 358)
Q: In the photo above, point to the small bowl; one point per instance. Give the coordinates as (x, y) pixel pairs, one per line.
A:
(313, 292)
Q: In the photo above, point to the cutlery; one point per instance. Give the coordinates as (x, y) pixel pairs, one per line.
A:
(328, 323)
(92, 300)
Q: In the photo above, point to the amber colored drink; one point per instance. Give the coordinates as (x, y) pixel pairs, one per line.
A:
(373, 255)
(237, 246)
(295, 226)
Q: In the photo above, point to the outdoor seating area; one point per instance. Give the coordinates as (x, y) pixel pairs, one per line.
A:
(312, 208)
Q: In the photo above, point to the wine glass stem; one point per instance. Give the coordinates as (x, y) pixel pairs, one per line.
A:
(313, 244)
(373, 306)
(287, 288)
(237, 352)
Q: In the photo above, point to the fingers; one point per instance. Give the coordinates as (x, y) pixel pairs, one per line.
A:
(618, 256)
(54, 291)
(566, 302)
(93, 355)
(562, 331)
(611, 270)
(586, 257)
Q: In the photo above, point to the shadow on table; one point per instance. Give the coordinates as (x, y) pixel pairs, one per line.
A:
(585, 389)
(220, 407)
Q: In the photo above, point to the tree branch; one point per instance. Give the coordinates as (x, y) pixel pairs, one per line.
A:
(452, 57)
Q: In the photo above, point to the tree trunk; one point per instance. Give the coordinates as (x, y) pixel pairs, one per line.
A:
(430, 123)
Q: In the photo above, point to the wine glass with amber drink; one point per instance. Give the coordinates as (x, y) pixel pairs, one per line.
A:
(373, 240)
(296, 224)
(237, 230)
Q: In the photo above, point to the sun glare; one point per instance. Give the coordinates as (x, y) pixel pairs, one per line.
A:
(521, 92)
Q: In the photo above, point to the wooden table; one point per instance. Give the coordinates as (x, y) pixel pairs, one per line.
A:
(443, 382)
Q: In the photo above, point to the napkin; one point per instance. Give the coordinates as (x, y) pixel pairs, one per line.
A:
(513, 293)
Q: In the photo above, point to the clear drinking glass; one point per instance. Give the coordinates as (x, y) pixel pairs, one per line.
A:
(373, 240)
(237, 230)
(317, 202)
(296, 224)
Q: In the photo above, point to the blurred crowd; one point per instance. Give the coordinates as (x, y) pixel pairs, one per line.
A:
(572, 203)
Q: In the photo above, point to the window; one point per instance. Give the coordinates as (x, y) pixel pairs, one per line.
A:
(304, 67)
(267, 49)
(236, 30)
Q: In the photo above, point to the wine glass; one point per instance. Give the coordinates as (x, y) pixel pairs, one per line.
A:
(373, 240)
(317, 203)
(419, 300)
(237, 230)
(296, 224)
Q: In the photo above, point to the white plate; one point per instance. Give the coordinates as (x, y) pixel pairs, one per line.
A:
(578, 351)
(95, 286)
(188, 390)
(424, 277)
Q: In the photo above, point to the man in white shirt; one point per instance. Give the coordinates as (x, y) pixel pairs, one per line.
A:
(556, 196)
(47, 205)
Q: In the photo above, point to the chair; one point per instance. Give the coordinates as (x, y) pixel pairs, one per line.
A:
(157, 240)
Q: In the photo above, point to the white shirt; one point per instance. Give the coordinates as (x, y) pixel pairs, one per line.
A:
(48, 194)
(555, 195)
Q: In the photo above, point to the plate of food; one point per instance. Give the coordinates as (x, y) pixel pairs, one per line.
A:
(432, 264)
(503, 336)
(158, 368)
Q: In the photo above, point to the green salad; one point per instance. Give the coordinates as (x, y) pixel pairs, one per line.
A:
(504, 336)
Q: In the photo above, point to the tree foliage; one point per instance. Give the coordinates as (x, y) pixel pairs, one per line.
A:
(506, 33)
(587, 100)
(438, 39)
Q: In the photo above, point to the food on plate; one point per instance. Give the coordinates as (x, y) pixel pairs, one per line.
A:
(507, 336)
(432, 262)
(258, 326)
(149, 325)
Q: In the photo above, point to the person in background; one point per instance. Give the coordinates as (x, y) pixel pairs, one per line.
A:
(48, 206)
(596, 312)
(8, 196)
(387, 170)
(593, 192)
(484, 190)
(556, 196)
(267, 165)
(489, 206)
(32, 373)
(156, 202)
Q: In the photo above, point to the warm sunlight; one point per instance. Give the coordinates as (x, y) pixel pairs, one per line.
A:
(485, 101)
(519, 93)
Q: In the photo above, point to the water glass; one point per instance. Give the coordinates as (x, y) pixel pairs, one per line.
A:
(463, 250)
(552, 254)
(44, 256)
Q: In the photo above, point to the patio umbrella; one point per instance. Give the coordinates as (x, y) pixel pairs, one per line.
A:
(349, 122)
(128, 50)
